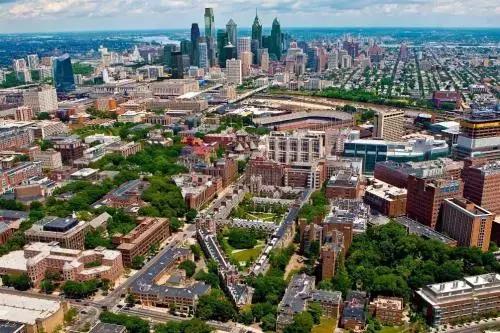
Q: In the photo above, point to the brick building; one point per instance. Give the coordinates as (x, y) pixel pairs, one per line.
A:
(387, 310)
(425, 197)
(468, 223)
(482, 184)
(344, 184)
(68, 232)
(385, 198)
(149, 231)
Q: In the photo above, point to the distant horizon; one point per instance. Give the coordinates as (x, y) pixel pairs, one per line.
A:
(284, 28)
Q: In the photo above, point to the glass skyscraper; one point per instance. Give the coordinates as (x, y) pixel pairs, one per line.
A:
(195, 36)
(63, 74)
(257, 30)
(276, 45)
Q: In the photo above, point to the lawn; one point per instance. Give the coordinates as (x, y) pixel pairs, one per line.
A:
(262, 216)
(243, 256)
(391, 329)
(327, 325)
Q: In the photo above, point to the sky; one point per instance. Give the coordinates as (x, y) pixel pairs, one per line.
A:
(75, 15)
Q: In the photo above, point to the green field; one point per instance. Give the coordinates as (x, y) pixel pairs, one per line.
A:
(243, 256)
(327, 325)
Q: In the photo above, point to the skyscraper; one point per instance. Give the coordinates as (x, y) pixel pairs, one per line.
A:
(221, 43)
(233, 72)
(167, 54)
(257, 30)
(195, 35)
(276, 45)
(63, 74)
(203, 61)
(186, 47)
(177, 65)
(210, 34)
(243, 45)
(232, 32)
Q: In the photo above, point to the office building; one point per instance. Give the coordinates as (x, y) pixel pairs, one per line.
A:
(243, 44)
(275, 49)
(329, 253)
(39, 258)
(70, 148)
(149, 231)
(198, 189)
(415, 228)
(68, 232)
(386, 199)
(210, 35)
(389, 125)
(264, 61)
(396, 173)
(203, 60)
(167, 54)
(41, 99)
(246, 63)
(374, 151)
(257, 31)
(232, 32)
(24, 113)
(479, 137)
(343, 183)
(454, 301)
(425, 198)
(177, 65)
(195, 36)
(18, 174)
(233, 71)
(467, 222)
(482, 184)
(63, 74)
(40, 314)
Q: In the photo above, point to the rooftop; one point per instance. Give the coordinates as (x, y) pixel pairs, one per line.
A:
(107, 328)
(26, 309)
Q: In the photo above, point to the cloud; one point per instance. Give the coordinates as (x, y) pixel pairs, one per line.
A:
(180, 13)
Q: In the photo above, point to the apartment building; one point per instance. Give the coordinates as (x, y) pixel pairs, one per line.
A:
(149, 231)
(50, 158)
(21, 172)
(288, 148)
(36, 259)
(126, 196)
(343, 183)
(15, 135)
(454, 301)
(68, 232)
(467, 222)
(387, 310)
(47, 128)
(389, 125)
(198, 189)
(70, 148)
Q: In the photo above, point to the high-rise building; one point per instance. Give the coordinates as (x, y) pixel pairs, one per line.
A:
(33, 61)
(469, 224)
(195, 35)
(41, 99)
(203, 61)
(425, 197)
(403, 52)
(257, 30)
(19, 65)
(244, 44)
(312, 58)
(210, 35)
(264, 61)
(276, 44)
(232, 32)
(222, 41)
(177, 65)
(389, 125)
(333, 60)
(186, 47)
(479, 137)
(63, 74)
(167, 54)
(482, 184)
(246, 62)
(233, 70)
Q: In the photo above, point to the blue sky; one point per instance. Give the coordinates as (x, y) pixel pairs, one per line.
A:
(71, 15)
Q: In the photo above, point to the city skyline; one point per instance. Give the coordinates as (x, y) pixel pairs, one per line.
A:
(90, 15)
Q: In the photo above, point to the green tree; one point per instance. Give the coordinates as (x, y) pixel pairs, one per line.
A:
(303, 322)
(137, 262)
(268, 322)
(215, 306)
(133, 324)
(315, 311)
(17, 281)
(189, 267)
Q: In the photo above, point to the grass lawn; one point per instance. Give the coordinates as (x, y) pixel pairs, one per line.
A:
(248, 254)
(327, 325)
(391, 329)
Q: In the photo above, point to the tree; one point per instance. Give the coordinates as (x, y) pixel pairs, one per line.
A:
(215, 306)
(73, 289)
(315, 311)
(137, 262)
(189, 267)
(70, 316)
(191, 215)
(241, 238)
(268, 322)
(175, 224)
(17, 281)
(196, 249)
(302, 323)
(47, 286)
(130, 300)
(133, 324)
(194, 325)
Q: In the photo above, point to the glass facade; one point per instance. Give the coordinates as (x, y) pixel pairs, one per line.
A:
(63, 74)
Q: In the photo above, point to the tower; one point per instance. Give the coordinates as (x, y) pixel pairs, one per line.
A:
(232, 32)
(63, 74)
(257, 30)
(276, 46)
(195, 35)
(210, 35)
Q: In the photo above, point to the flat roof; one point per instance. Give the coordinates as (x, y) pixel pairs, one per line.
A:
(107, 328)
(10, 327)
(26, 309)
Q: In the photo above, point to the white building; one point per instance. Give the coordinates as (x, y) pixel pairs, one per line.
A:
(41, 99)
(234, 73)
(243, 45)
